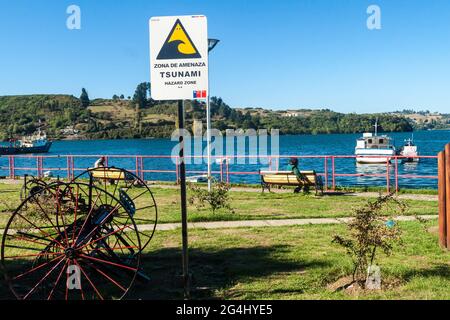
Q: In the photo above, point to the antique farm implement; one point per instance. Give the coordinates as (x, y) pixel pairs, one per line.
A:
(81, 239)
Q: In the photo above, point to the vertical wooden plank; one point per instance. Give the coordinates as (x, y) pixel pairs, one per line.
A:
(447, 193)
(442, 200)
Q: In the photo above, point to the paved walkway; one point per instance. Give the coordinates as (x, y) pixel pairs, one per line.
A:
(265, 223)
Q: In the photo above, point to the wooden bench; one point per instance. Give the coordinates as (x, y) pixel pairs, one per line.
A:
(112, 175)
(287, 178)
(109, 174)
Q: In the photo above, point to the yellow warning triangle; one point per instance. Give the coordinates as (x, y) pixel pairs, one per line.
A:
(178, 45)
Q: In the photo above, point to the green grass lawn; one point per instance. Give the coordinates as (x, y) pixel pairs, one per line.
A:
(291, 263)
(296, 262)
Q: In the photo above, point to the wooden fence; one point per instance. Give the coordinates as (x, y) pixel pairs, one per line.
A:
(444, 196)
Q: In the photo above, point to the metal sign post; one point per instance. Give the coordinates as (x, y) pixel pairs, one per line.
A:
(179, 71)
(182, 171)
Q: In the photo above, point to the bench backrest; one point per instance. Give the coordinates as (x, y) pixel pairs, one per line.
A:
(287, 177)
(109, 173)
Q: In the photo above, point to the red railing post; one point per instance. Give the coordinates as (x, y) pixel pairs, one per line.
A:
(41, 165)
(388, 181)
(396, 174)
(333, 171)
(137, 166)
(326, 172)
(11, 161)
(142, 167)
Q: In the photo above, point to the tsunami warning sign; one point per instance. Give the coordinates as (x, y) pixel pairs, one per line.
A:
(179, 57)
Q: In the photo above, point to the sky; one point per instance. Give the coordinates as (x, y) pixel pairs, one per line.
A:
(272, 54)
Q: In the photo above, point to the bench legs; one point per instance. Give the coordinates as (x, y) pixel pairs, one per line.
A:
(265, 186)
(318, 188)
(319, 185)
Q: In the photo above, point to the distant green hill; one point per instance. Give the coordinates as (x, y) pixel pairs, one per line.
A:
(63, 117)
(20, 115)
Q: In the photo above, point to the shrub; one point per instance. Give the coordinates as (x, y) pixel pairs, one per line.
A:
(216, 199)
(371, 229)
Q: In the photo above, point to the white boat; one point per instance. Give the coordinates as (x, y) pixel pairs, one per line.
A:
(372, 148)
(197, 179)
(409, 150)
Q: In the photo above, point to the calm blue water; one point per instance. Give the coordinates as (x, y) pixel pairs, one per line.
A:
(429, 142)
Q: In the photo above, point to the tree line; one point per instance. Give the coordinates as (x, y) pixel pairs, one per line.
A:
(20, 115)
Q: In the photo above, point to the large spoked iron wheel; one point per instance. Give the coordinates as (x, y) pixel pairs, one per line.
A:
(31, 186)
(71, 241)
(132, 191)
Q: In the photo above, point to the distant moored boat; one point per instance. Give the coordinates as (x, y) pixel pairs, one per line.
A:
(409, 150)
(372, 148)
(36, 143)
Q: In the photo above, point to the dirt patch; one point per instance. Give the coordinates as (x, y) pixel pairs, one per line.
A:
(433, 230)
(350, 287)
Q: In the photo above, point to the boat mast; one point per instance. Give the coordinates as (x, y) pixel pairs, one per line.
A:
(376, 126)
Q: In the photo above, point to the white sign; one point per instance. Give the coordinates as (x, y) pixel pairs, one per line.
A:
(179, 57)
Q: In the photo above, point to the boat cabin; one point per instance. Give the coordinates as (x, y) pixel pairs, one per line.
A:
(370, 141)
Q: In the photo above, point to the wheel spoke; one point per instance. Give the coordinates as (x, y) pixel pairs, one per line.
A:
(31, 255)
(103, 237)
(124, 233)
(58, 211)
(144, 192)
(27, 239)
(89, 280)
(108, 277)
(114, 193)
(57, 280)
(101, 222)
(46, 215)
(40, 281)
(36, 268)
(108, 262)
(87, 218)
(147, 207)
